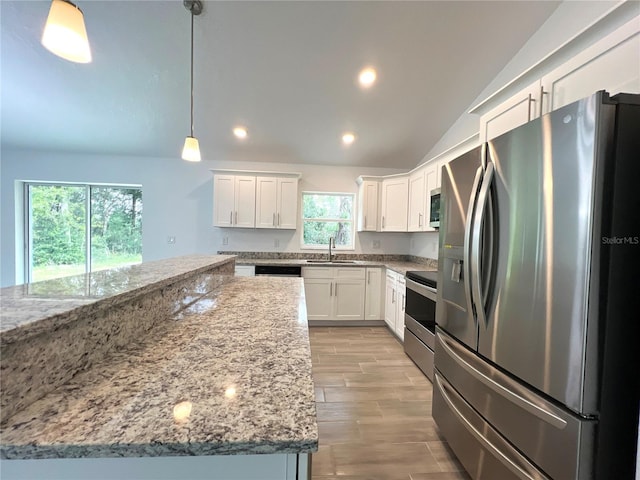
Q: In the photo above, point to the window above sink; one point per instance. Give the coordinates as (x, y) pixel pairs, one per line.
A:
(328, 215)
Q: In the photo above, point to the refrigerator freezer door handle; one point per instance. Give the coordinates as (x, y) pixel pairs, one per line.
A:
(521, 402)
(467, 238)
(497, 453)
(476, 275)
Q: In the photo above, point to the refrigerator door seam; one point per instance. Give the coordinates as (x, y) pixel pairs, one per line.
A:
(523, 403)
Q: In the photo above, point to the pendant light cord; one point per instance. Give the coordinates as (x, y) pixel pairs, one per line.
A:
(192, 71)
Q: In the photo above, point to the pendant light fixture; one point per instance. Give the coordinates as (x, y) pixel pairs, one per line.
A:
(65, 34)
(191, 149)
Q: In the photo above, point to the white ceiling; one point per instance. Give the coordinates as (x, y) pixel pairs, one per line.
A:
(286, 70)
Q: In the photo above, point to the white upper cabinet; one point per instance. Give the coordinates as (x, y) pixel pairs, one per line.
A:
(517, 110)
(395, 200)
(276, 202)
(368, 200)
(612, 64)
(234, 201)
(250, 199)
(417, 201)
(421, 183)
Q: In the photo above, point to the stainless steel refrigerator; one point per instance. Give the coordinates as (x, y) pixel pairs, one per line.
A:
(536, 354)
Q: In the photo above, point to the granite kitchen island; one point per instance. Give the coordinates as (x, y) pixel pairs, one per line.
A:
(187, 372)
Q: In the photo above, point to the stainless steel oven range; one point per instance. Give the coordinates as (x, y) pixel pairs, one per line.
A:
(420, 319)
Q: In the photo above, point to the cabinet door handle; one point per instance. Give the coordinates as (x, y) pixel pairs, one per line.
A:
(383, 221)
(404, 301)
(542, 94)
(368, 278)
(335, 291)
(274, 219)
(236, 217)
(393, 296)
(331, 289)
(419, 219)
(230, 218)
(529, 108)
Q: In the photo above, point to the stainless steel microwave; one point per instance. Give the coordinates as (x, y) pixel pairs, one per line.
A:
(434, 209)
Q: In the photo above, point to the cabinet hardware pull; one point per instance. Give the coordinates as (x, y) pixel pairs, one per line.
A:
(383, 221)
(404, 302)
(230, 218)
(236, 217)
(529, 108)
(336, 290)
(419, 219)
(274, 219)
(331, 289)
(542, 94)
(393, 296)
(368, 278)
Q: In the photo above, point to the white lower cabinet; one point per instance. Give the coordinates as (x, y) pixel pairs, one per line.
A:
(319, 295)
(348, 298)
(335, 293)
(373, 298)
(390, 300)
(395, 299)
(401, 301)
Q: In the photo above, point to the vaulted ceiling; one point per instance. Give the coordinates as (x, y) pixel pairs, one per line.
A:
(285, 70)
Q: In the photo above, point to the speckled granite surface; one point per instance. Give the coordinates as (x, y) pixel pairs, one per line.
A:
(60, 333)
(231, 374)
(397, 263)
(36, 307)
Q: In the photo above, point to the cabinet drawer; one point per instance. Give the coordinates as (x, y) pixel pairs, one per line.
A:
(317, 272)
(349, 272)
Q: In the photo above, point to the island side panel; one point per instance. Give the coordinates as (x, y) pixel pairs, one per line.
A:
(38, 365)
(227, 467)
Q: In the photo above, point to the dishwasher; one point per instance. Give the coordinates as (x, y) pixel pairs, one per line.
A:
(278, 271)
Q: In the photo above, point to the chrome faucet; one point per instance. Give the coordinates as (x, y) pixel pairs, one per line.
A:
(331, 240)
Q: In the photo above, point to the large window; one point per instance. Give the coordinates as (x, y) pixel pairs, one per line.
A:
(72, 229)
(327, 215)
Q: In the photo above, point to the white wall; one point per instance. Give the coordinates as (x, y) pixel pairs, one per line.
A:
(177, 198)
(569, 19)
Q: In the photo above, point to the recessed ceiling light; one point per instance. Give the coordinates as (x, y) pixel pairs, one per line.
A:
(240, 132)
(348, 138)
(367, 77)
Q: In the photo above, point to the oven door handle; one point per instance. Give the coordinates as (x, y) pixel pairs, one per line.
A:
(420, 289)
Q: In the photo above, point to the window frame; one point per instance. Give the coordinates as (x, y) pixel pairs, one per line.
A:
(351, 221)
(27, 219)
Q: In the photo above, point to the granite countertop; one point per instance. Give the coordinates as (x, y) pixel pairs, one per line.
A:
(395, 265)
(231, 374)
(33, 308)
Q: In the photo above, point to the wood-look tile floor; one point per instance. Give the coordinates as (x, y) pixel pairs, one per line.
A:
(374, 410)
